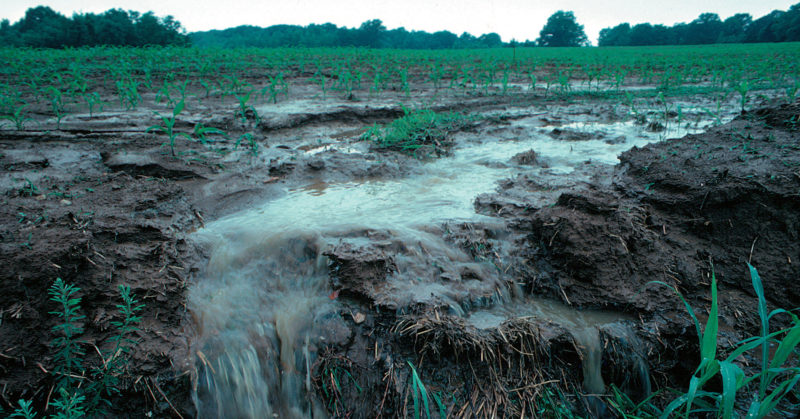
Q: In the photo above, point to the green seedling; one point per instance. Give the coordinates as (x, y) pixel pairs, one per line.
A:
(168, 127)
(163, 93)
(742, 87)
(93, 99)
(243, 98)
(419, 393)
(202, 132)
(778, 376)
(128, 91)
(17, 117)
(56, 104)
(252, 145)
(277, 86)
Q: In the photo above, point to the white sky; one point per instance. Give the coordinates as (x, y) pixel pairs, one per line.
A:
(520, 19)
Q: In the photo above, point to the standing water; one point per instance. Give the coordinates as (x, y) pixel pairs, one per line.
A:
(262, 305)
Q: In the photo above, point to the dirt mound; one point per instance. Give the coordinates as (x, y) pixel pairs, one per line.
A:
(674, 210)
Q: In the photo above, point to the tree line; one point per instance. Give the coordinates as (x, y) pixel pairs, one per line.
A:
(45, 28)
(708, 28)
(42, 27)
(371, 33)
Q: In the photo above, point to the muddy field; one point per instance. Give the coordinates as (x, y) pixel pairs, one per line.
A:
(298, 272)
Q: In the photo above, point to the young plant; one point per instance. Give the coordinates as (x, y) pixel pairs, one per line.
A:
(251, 143)
(415, 130)
(69, 355)
(776, 380)
(419, 393)
(16, 116)
(56, 104)
(106, 377)
(277, 86)
(93, 99)
(85, 394)
(742, 87)
(168, 127)
(243, 98)
(202, 132)
(128, 91)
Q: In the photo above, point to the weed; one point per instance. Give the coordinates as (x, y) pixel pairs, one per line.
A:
(419, 393)
(85, 394)
(774, 382)
(415, 130)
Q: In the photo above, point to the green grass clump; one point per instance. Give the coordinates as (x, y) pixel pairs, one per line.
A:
(417, 131)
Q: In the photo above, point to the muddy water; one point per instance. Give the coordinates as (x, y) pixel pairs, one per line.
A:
(262, 304)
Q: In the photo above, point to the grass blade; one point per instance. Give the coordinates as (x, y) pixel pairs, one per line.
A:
(762, 313)
(730, 380)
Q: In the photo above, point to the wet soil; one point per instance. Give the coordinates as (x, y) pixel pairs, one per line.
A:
(100, 202)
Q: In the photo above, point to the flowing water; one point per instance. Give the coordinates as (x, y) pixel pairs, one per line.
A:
(262, 305)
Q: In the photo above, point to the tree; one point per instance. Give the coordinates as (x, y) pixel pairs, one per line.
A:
(562, 30)
(705, 29)
(369, 34)
(618, 35)
(734, 27)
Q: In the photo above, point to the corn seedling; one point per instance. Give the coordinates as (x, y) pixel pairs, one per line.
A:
(56, 104)
(322, 82)
(30, 189)
(181, 88)
(93, 99)
(163, 93)
(791, 91)
(202, 132)
(243, 98)
(251, 143)
(17, 117)
(168, 127)
(128, 91)
(277, 86)
(207, 87)
(742, 87)
(404, 81)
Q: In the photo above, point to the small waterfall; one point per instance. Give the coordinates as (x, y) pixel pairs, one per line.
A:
(261, 316)
(588, 338)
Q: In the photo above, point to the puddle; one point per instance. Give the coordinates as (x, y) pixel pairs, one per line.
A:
(262, 303)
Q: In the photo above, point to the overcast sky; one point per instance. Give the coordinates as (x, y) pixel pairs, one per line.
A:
(519, 19)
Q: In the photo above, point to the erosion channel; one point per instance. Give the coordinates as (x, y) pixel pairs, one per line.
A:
(290, 277)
